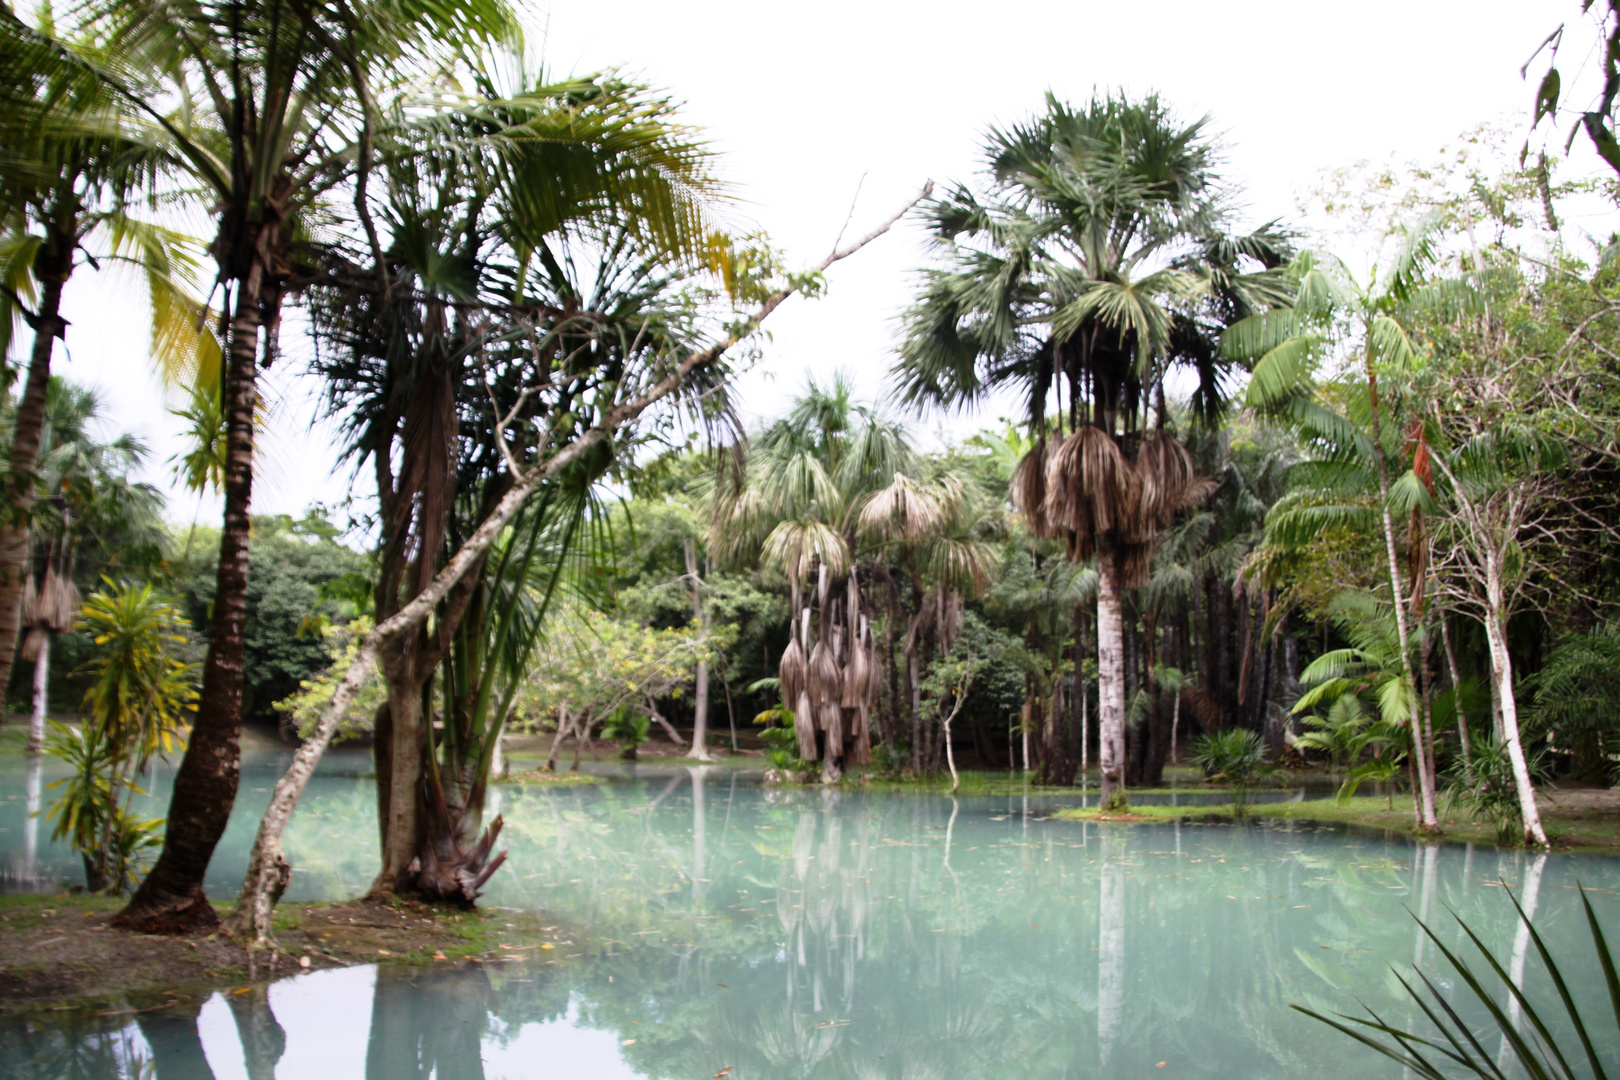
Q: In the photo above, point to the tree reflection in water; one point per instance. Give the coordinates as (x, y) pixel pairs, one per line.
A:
(842, 935)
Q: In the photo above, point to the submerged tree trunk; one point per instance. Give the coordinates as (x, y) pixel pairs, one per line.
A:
(261, 1034)
(1110, 683)
(171, 899)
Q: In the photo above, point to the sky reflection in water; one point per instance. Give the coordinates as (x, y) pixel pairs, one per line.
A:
(808, 933)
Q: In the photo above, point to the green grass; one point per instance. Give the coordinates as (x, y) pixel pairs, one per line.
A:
(1374, 812)
(561, 778)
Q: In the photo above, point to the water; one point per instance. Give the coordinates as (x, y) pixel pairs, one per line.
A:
(800, 933)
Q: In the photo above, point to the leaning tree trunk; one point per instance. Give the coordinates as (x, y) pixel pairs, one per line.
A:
(171, 899)
(1110, 683)
(268, 870)
(52, 266)
(1502, 678)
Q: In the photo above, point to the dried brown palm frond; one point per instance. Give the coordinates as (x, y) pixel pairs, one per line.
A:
(33, 641)
(1029, 489)
(962, 565)
(792, 669)
(831, 719)
(1167, 476)
(804, 726)
(796, 546)
(54, 604)
(826, 678)
(905, 510)
(1090, 487)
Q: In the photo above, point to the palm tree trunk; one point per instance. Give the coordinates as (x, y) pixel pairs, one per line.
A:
(1110, 683)
(42, 675)
(916, 710)
(171, 897)
(402, 827)
(51, 267)
(1424, 796)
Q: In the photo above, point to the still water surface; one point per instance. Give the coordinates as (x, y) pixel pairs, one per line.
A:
(835, 934)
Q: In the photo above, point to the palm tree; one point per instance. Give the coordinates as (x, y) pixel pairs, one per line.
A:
(798, 508)
(76, 158)
(280, 111)
(536, 242)
(1085, 272)
(1353, 448)
(92, 511)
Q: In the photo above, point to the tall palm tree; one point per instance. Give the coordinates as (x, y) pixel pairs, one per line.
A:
(1354, 448)
(76, 160)
(278, 111)
(1082, 273)
(536, 238)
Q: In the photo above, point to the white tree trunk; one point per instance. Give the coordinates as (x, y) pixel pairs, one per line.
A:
(34, 788)
(42, 678)
(700, 702)
(1175, 726)
(1110, 950)
(1529, 897)
(1502, 678)
(1110, 685)
(1425, 774)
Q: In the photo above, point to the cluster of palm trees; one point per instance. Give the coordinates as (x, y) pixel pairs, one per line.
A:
(502, 272)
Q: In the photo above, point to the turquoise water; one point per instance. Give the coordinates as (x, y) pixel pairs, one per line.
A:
(805, 933)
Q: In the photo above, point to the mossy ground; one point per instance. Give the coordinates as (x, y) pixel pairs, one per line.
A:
(1576, 820)
(61, 951)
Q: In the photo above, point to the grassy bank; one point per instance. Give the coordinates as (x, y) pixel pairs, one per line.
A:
(62, 950)
(1580, 820)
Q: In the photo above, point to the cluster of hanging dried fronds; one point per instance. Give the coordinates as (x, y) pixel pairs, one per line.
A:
(1086, 491)
(49, 608)
(832, 683)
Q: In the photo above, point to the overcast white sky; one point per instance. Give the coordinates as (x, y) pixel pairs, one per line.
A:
(806, 100)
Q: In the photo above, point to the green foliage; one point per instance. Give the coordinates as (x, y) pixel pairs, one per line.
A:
(1234, 756)
(1576, 694)
(133, 710)
(304, 708)
(1452, 1047)
(89, 812)
(293, 564)
(1485, 785)
(141, 691)
(594, 664)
